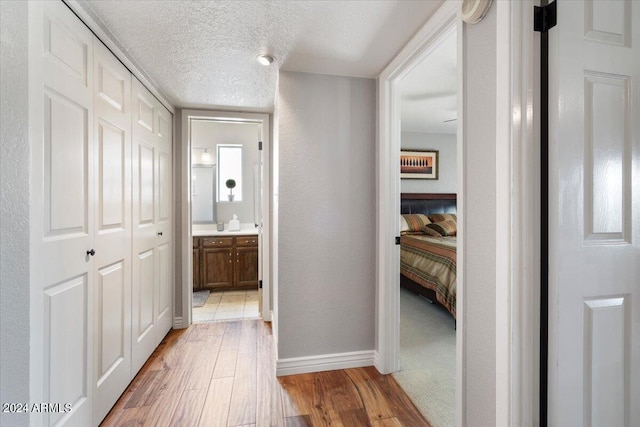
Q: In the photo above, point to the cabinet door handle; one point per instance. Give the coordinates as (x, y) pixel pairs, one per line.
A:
(159, 233)
(92, 252)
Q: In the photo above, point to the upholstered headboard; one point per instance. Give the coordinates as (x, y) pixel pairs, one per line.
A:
(427, 203)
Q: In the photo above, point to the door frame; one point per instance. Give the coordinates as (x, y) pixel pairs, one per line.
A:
(388, 200)
(186, 260)
(517, 196)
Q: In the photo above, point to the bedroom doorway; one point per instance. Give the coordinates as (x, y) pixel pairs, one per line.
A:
(441, 33)
(428, 132)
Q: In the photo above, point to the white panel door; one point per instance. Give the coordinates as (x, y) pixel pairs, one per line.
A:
(145, 226)
(164, 209)
(112, 296)
(61, 215)
(594, 219)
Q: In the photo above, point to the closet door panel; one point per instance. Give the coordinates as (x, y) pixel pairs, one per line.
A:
(145, 228)
(164, 215)
(112, 298)
(165, 318)
(61, 213)
(67, 361)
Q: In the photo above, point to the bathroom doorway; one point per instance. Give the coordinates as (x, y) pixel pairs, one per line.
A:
(225, 252)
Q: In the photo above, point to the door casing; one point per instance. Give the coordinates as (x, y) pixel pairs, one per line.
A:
(517, 322)
(185, 232)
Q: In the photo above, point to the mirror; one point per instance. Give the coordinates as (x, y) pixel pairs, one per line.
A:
(223, 181)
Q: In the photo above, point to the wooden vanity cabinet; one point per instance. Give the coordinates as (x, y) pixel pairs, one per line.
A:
(247, 262)
(227, 263)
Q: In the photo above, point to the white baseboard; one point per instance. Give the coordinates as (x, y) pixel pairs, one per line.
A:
(324, 362)
(376, 361)
(267, 316)
(177, 323)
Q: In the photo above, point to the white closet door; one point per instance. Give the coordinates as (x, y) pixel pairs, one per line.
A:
(164, 215)
(145, 226)
(112, 295)
(61, 215)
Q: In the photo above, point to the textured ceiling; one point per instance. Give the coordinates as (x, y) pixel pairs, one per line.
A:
(428, 92)
(202, 53)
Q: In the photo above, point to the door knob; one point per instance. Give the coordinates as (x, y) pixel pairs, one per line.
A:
(92, 252)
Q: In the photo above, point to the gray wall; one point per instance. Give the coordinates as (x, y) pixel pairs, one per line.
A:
(326, 256)
(446, 144)
(14, 210)
(480, 224)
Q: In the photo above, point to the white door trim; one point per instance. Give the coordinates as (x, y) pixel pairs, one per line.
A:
(517, 217)
(185, 203)
(517, 201)
(388, 195)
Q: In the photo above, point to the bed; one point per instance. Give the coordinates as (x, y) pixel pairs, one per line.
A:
(428, 247)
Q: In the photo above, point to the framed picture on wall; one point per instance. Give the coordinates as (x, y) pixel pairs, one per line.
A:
(419, 164)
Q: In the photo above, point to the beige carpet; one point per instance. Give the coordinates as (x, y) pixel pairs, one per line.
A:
(428, 358)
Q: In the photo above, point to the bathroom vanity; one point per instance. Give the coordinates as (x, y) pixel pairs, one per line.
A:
(225, 260)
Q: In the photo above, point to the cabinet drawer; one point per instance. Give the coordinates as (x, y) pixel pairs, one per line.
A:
(196, 242)
(209, 242)
(247, 240)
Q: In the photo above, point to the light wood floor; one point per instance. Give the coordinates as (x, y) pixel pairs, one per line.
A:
(223, 374)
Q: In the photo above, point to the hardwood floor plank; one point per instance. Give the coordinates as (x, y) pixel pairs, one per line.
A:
(383, 398)
(231, 338)
(164, 403)
(202, 368)
(145, 386)
(215, 412)
(389, 422)
(248, 337)
(243, 398)
(169, 381)
(269, 411)
(131, 417)
(397, 399)
(225, 363)
(298, 421)
(265, 328)
(161, 411)
(295, 389)
(215, 328)
(355, 418)
(344, 395)
(373, 398)
(188, 409)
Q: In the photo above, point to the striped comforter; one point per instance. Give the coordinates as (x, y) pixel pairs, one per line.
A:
(431, 262)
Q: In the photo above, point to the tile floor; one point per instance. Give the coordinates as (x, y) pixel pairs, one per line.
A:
(229, 305)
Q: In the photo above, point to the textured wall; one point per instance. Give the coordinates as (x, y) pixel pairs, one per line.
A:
(326, 214)
(14, 210)
(480, 223)
(446, 144)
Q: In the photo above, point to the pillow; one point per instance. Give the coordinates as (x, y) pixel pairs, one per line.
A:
(442, 217)
(430, 231)
(443, 228)
(413, 223)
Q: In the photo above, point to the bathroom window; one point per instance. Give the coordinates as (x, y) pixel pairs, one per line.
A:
(229, 168)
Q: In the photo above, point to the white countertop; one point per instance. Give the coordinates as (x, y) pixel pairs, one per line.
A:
(211, 230)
